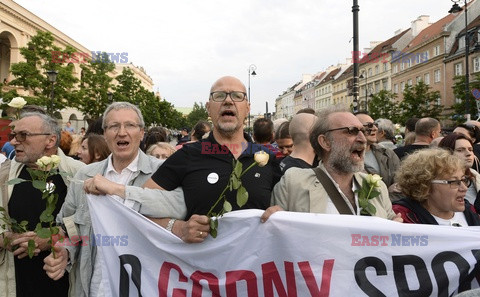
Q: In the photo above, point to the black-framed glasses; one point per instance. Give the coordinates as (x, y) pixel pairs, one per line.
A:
(21, 136)
(350, 130)
(220, 96)
(454, 184)
(370, 125)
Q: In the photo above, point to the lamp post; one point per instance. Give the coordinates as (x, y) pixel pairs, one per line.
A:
(52, 77)
(456, 9)
(251, 71)
(356, 54)
(366, 88)
(110, 97)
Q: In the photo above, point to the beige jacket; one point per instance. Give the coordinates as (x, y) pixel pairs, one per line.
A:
(7, 266)
(299, 190)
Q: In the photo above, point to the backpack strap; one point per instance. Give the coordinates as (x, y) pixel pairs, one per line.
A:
(332, 192)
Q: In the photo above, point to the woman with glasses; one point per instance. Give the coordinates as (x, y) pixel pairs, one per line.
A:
(461, 146)
(435, 185)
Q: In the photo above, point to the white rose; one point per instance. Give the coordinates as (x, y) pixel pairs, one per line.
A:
(374, 179)
(17, 102)
(55, 160)
(261, 158)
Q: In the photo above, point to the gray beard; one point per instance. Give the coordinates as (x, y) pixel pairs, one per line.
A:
(341, 162)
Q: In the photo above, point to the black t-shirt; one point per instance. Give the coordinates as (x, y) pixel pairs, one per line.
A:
(289, 162)
(203, 170)
(26, 203)
(403, 151)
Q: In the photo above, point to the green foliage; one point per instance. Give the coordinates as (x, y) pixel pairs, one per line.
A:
(198, 113)
(458, 114)
(32, 74)
(383, 105)
(418, 101)
(92, 96)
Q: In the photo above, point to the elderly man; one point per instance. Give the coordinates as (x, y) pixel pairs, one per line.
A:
(426, 130)
(378, 160)
(303, 155)
(203, 168)
(339, 140)
(34, 135)
(385, 133)
(120, 175)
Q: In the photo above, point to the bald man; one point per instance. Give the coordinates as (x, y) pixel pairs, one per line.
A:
(303, 155)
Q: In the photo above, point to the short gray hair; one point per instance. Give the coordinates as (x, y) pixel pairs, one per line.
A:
(387, 127)
(122, 105)
(49, 124)
(322, 125)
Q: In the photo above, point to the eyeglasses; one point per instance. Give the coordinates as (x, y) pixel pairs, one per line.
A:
(350, 130)
(220, 96)
(370, 125)
(22, 136)
(454, 184)
(129, 127)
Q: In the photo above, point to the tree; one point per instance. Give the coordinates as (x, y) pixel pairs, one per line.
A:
(92, 97)
(383, 105)
(128, 86)
(198, 113)
(32, 74)
(458, 114)
(418, 101)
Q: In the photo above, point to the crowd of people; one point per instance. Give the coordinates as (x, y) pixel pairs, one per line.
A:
(317, 164)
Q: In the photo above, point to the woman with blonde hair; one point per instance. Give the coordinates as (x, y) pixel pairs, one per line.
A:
(435, 185)
(161, 150)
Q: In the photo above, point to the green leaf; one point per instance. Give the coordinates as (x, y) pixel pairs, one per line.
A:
(44, 233)
(46, 216)
(213, 232)
(371, 209)
(238, 169)
(31, 248)
(16, 181)
(39, 184)
(242, 196)
(213, 228)
(236, 182)
(227, 207)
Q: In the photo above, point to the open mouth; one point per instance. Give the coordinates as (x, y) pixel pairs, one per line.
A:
(122, 143)
(358, 153)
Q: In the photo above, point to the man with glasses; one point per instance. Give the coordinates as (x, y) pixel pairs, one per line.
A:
(378, 160)
(34, 135)
(121, 175)
(203, 168)
(338, 138)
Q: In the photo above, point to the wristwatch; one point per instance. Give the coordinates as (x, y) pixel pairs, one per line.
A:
(170, 225)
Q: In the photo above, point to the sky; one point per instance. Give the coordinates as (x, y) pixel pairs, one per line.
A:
(185, 45)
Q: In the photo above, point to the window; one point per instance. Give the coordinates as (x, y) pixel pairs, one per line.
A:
(436, 75)
(461, 42)
(395, 88)
(409, 63)
(436, 51)
(402, 86)
(409, 82)
(418, 79)
(426, 78)
(385, 84)
(385, 67)
(402, 66)
(395, 68)
(369, 72)
(476, 64)
(377, 87)
(426, 55)
(377, 69)
(458, 69)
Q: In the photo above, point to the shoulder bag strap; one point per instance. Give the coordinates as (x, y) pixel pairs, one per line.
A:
(332, 192)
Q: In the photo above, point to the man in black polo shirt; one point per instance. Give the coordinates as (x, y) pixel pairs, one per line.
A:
(203, 168)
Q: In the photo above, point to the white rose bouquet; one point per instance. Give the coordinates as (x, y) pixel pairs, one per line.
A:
(46, 166)
(235, 183)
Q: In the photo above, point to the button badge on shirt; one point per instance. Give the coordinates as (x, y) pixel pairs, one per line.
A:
(212, 178)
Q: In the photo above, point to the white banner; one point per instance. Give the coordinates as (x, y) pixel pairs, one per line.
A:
(292, 254)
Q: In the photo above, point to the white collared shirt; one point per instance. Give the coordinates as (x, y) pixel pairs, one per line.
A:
(331, 209)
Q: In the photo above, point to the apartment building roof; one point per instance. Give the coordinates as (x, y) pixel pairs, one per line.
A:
(455, 48)
(430, 32)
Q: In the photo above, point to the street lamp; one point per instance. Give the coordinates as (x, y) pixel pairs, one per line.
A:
(52, 77)
(251, 71)
(110, 97)
(356, 54)
(366, 88)
(456, 9)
